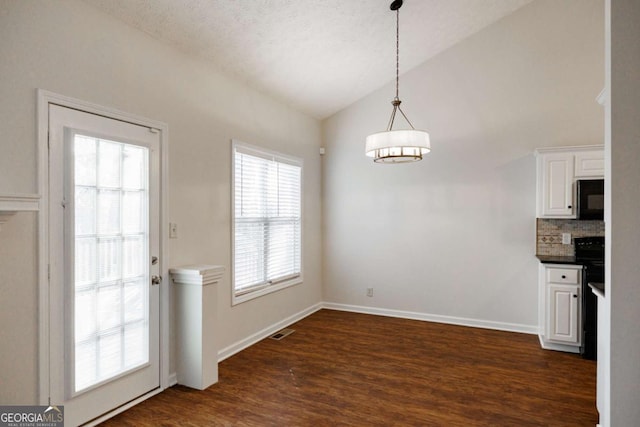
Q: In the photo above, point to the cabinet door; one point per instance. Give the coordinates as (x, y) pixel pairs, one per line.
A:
(557, 185)
(563, 302)
(590, 164)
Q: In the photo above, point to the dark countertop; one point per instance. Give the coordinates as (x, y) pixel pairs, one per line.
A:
(552, 259)
(597, 288)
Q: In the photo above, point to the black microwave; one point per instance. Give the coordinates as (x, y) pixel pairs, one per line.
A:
(590, 199)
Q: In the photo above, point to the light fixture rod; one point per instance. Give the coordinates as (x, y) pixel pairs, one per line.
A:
(405, 117)
(393, 117)
(396, 101)
(398, 51)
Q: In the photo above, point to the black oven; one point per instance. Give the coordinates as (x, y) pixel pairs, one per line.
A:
(590, 199)
(590, 253)
(593, 272)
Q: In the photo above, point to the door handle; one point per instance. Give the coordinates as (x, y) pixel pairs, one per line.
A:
(155, 280)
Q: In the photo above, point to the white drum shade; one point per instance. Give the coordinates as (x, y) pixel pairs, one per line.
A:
(398, 146)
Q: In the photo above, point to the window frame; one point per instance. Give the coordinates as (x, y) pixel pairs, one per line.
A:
(288, 281)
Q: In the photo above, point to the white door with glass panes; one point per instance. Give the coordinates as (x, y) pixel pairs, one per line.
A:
(104, 247)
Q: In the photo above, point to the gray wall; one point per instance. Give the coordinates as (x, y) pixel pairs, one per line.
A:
(623, 140)
(70, 48)
(454, 235)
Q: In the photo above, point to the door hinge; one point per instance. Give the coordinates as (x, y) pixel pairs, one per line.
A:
(48, 271)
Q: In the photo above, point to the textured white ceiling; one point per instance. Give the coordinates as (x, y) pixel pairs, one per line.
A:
(316, 55)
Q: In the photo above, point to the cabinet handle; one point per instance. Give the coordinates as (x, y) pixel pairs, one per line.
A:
(569, 207)
(564, 277)
(575, 296)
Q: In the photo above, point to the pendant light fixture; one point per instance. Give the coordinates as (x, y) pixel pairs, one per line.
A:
(397, 146)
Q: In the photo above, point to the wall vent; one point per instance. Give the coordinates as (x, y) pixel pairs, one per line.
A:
(281, 334)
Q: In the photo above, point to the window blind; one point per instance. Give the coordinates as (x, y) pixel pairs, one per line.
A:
(267, 219)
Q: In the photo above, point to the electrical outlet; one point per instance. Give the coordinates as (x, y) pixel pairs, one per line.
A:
(369, 292)
(566, 238)
(173, 230)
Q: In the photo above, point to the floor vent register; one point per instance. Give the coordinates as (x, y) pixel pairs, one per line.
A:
(281, 334)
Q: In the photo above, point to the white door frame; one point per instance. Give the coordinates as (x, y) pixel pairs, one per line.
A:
(44, 98)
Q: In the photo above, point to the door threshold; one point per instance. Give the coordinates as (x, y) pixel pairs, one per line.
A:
(120, 409)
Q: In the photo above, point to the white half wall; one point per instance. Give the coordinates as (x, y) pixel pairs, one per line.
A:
(454, 235)
(71, 48)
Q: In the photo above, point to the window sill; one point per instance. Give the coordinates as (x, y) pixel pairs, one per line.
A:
(238, 299)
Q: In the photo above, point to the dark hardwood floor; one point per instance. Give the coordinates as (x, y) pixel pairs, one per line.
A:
(350, 369)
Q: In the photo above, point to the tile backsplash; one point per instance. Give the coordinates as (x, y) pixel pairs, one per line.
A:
(549, 234)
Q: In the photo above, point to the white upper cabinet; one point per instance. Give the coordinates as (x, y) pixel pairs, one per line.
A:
(557, 185)
(557, 171)
(589, 164)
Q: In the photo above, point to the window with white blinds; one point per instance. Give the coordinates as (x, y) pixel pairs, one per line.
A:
(267, 217)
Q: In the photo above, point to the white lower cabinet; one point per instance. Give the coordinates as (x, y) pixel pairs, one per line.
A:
(562, 322)
(560, 296)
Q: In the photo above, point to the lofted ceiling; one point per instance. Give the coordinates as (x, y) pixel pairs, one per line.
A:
(317, 56)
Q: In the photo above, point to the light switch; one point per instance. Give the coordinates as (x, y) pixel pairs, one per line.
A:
(566, 238)
(173, 230)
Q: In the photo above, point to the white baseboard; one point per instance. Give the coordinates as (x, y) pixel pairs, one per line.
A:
(558, 347)
(252, 339)
(173, 379)
(461, 321)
